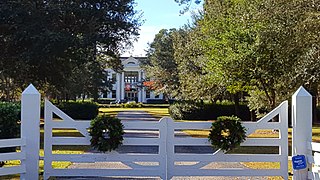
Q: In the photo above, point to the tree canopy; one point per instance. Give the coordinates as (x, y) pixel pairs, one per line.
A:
(48, 42)
(264, 49)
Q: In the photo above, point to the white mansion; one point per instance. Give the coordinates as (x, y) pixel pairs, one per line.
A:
(129, 84)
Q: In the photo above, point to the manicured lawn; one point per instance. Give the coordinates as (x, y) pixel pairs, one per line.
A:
(56, 150)
(156, 112)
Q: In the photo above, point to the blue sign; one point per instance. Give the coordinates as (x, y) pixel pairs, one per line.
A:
(299, 162)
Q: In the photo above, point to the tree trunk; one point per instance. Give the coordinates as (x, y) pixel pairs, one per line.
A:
(253, 116)
(236, 104)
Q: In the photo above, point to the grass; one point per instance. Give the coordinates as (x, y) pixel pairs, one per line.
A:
(56, 150)
(254, 150)
(156, 112)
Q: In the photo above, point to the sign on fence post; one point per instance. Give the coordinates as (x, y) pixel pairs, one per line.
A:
(30, 131)
(301, 128)
(299, 162)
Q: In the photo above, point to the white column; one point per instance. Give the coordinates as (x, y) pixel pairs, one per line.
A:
(143, 94)
(118, 90)
(139, 89)
(122, 85)
(144, 89)
(302, 128)
(30, 131)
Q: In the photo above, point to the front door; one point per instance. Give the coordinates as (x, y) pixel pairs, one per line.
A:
(131, 95)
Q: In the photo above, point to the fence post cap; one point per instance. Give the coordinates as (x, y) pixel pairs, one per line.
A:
(302, 92)
(30, 90)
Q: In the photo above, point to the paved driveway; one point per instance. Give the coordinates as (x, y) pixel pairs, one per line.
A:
(143, 116)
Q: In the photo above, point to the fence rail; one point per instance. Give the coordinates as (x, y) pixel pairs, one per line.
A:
(167, 160)
(166, 140)
(314, 172)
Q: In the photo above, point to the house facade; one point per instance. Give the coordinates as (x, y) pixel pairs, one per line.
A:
(128, 85)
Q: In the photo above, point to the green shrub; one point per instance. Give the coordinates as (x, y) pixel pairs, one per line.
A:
(131, 105)
(9, 127)
(185, 110)
(80, 110)
(9, 118)
(105, 100)
(205, 111)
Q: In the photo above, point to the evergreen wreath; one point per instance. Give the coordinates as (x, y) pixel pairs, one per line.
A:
(227, 133)
(106, 133)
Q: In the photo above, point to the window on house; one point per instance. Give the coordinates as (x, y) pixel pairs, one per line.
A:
(157, 96)
(131, 76)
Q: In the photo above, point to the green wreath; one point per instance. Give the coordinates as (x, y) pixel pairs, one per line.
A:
(106, 133)
(227, 133)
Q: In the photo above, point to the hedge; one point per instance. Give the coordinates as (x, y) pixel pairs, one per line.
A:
(198, 111)
(80, 110)
(9, 124)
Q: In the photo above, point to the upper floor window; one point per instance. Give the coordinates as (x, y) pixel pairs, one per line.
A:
(131, 63)
(130, 77)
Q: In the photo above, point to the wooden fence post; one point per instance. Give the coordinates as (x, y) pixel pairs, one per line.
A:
(30, 131)
(302, 128)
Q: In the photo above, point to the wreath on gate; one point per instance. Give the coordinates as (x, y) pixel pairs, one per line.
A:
(227, 133)
(106, 133)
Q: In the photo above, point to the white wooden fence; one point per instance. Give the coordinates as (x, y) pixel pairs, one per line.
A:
(314, 161)
(202, 160)
(128, 159)
(29, 141)
(166, 157)
(167, 160)
(302, 135)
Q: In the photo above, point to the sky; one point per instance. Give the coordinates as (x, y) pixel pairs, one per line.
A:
(158, 14)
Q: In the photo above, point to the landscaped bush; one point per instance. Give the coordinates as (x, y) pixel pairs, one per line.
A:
(156, 101)
(80, 110)
(105, 100)
(131, 105)
(9, 127)
(198, 111)
(185, 110)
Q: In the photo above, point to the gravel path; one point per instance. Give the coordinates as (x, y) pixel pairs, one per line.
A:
(143, 116)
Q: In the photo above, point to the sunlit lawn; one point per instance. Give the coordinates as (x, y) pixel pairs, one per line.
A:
(156, 112)
(56, 150)
(258, 150)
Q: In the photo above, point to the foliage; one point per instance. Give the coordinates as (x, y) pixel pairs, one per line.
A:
(194, 81)
(227, 133)
(80, 110)
(160, 65)
(158, 101)
(264, 48)
(9, 127)
(60, 46)
(208, 111)
(107, 133)
(9, 118)
(184, 110)
(131, 105)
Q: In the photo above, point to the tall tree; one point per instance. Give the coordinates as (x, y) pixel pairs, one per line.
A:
(160, 64)
(43, 41)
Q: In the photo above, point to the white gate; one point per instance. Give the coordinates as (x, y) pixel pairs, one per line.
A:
(167, 161)
(176, 169)
(129, 159)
